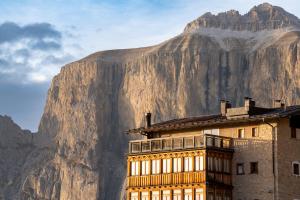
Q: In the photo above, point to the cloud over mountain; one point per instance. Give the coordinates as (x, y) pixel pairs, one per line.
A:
(25, 52)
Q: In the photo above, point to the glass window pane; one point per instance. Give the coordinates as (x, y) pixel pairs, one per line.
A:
(134, 196)
(188, 194)
(166, 165)
(155, 195)
(176, 164)
(145, 167)
(156, 145)
(177, 143)
(145, 146)
(189, 142)
(166, 195)
(199, 141)
(199, 194)
(155, 166)
(177, 195)
(188, 164)
(296, 169)
(145, 196)
(167, 144)
(135, 147)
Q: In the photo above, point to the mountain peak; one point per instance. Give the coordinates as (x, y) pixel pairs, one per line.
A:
(262, 17)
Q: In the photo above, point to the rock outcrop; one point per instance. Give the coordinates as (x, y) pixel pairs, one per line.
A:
(15, 147)
(91, 102)
(262, 17)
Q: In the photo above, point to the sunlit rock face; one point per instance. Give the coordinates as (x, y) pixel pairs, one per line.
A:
(81, 145)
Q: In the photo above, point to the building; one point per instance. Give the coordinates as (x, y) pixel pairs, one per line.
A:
(243, 153)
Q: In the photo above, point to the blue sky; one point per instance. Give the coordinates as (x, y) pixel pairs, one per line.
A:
(37, 37)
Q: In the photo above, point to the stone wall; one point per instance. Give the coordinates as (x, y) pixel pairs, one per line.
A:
(288, 151)
(258, 149)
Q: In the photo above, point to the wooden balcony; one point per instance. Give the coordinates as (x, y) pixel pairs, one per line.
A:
(219, 177)
(166, 179)
(180, 143)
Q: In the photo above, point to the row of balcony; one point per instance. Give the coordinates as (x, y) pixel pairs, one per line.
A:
(177, 178)
(179, 143)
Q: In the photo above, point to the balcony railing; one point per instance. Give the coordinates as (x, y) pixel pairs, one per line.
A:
(180, 143)
(166, 179)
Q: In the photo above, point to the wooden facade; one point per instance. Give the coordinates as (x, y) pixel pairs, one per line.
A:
(209, 179)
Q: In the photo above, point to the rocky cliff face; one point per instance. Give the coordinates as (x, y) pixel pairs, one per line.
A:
(91, 102)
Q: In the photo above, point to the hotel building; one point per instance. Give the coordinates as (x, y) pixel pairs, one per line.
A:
(243, 153)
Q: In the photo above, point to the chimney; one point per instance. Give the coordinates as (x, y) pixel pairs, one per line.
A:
(248, 103)
(148, 119)
(224, 106)
(278, 104)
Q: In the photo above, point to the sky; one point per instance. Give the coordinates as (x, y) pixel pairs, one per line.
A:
(38, 37)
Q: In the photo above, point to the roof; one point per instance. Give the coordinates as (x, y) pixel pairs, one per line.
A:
(262, 114)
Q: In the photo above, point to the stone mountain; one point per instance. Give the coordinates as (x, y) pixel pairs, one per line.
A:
(81, 146)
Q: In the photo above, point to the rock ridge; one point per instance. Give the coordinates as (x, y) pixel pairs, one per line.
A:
(262, 17)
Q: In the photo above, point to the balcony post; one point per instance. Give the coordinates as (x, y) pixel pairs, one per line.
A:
(161, 146)
(194, 141)
(222, 140)
(140, 146)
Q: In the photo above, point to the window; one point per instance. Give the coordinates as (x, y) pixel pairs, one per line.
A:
(210, 196)
(295, 133)
(155, 166)
(167, 165)
(211, 132)
(145, 196)
(218, 164)
(199, 194)
(166, 195)
(227, 166)
(134, 196)
(210, 163)
(188, 194)
(177, 143)
(134, 168)
(296, 168)
(188, 164)
(199, 163)
(218, 196)
(240, 169)
(155, 195)
(188, 142)
(254, 168)
(255, 132)
(227, 195)
(177, 165)
(241, 133)
(177, 195)
(145, 167)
